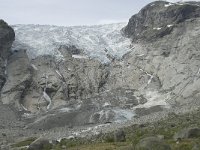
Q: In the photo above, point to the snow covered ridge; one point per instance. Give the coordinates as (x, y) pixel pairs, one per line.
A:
(182, 2)
(96, 41)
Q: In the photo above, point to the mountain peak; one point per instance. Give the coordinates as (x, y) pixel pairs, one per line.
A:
(158, 18)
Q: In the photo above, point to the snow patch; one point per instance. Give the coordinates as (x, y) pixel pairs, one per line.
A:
(34, 67)
(170, 25)
(59, 139)
(106, 104)
(24, 107)
(47, 98)
(79, 57)
(58, 73)
(157, 28)
(66, 109)
(141, 69)
(150, 79)
(148, 74)
(78, 106)
(5, 66)
(27, 115)
(155, 99)
(140, 55)
(169, 4)
(198, 71)
(70, 137)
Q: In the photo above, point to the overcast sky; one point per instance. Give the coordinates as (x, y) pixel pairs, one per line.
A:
(69, 12)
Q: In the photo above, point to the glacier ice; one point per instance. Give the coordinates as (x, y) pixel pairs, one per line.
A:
(96, 41)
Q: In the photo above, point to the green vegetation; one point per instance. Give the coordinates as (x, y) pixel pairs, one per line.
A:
(183, 145)
(165, 129)
(70, 142)
(47, 147)
(25, 142)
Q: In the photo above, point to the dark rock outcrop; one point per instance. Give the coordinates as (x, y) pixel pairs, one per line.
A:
(40, 144)
(70, 50)
(7, 36)
(119, 136)
(158, 19)
(187, 133)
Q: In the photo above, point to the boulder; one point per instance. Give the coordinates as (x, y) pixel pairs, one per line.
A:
(196, 147)
(119, 136)
(152, 143)
(40, 144)
(187, 133)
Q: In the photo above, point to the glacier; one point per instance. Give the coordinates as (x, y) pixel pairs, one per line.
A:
(96, 41)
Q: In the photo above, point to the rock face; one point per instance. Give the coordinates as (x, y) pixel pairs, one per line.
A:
(172, 59)
(65, 81)
(9, 117)
(7, 36)
(158, 19)
(18, 79)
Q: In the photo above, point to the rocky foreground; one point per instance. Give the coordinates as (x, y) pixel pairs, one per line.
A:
(78, 95)
(176, 132)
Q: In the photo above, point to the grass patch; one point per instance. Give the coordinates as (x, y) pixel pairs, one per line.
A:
(102, 146)
(24, 142)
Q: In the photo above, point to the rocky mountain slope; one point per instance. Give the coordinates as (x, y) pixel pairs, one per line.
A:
(169, 45)
(86, 76)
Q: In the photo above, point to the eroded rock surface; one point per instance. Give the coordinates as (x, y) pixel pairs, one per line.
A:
(18, 79)
(173, 58)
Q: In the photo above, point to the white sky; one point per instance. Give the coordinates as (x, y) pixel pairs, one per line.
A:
(69, 12)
